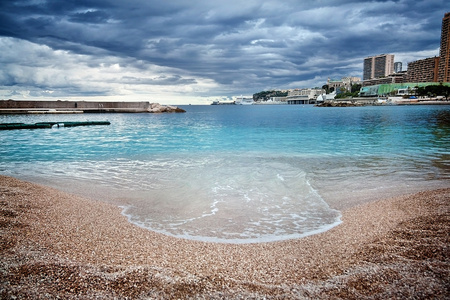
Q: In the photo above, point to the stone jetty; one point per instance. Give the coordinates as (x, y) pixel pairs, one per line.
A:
(59, 106)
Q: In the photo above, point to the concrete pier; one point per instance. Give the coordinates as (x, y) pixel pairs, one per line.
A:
(59, 106)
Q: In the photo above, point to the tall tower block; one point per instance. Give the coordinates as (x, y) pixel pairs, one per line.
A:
(444, 56)
(378, 66)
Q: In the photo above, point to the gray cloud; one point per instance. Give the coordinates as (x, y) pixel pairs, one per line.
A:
(204, 47)
(160, 80)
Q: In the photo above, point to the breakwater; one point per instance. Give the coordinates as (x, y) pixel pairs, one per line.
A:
(59, 106)
(13, 126)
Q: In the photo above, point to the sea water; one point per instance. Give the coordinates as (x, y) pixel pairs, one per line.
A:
(237, 174)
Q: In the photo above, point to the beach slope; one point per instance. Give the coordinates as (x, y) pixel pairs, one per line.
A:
(55, 244)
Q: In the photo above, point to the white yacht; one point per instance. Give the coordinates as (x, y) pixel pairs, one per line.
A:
(243, 100)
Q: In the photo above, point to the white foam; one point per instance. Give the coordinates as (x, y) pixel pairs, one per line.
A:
(275, 202)
(245, 239)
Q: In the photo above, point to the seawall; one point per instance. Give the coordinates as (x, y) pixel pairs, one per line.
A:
(59, 106)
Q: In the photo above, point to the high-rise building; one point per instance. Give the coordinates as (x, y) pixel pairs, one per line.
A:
(397, 67)
(378, 66)
(424, 70)
(367, 68)
(444, 61)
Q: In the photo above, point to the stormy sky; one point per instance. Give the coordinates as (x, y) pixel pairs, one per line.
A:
(180, 52)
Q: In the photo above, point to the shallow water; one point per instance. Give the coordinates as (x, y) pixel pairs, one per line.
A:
(237, 173)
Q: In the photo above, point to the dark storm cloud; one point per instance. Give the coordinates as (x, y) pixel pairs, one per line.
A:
(243, 47)
(89, 17)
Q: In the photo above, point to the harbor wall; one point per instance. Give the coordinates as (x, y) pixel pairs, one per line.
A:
(73, 105)
(64, 107)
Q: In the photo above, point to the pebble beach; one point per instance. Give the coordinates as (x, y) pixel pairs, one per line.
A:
(59, 245)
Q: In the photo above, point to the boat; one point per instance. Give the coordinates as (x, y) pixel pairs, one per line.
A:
(223, 103)
(242, 100)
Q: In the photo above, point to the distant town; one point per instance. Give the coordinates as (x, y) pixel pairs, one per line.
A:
(384, 82)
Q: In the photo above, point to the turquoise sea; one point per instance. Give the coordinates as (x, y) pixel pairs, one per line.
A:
(237, 174)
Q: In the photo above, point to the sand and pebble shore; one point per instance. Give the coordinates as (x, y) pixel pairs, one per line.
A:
(58, 245)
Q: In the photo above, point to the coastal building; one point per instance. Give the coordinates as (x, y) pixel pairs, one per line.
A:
(345, 83)
(398, 77)
(392, 78)
(444, 55)
(277, 99)
(303, 96)
(378, 66)
(394, 88)
(424, 70)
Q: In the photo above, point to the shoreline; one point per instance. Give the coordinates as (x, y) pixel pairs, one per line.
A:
(60, 244)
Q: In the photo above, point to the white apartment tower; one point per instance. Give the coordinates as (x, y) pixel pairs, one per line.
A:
(378, 66)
